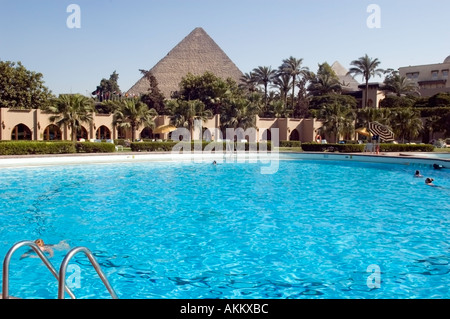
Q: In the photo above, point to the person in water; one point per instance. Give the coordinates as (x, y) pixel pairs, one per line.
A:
(429, 182)
(417, 174)
(49, 249)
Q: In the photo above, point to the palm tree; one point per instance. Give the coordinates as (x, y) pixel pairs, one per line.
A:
(368, 68)
(324, 84)
(406, 124)
(293, 67)
(185, 113)
(282, 81)
(248, 82)
(241, 113)
(337, 120)
(71, 110)
(400, 85)
(264, 75)
(132, 113)
(369, 114)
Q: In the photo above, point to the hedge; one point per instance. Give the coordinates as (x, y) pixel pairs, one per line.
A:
(88, 147)
(359, 148)
(290, 143)
(35, 147)
(57, 147)
(189, 146)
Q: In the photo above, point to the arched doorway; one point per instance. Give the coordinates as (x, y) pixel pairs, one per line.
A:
(295, 136)
(267, 135)
(82, 133)
(121, 133)
(147, 133)
(103, 133)
(21, 132)
(52, 133)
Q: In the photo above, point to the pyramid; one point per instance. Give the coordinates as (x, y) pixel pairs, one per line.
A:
(196, 54)
(350, 84)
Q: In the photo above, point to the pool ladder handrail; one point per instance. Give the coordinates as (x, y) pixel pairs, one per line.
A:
(62, 271)
(38, 251)
(62, 288)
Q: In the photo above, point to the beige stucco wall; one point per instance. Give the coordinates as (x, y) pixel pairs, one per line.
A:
(37, 121)
(429, 85)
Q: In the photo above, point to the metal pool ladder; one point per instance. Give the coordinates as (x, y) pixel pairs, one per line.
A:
(61, 277)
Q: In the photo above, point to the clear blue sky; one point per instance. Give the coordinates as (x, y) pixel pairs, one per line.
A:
(135, 34)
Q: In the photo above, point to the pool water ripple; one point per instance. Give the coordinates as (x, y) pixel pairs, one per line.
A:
(194, 230)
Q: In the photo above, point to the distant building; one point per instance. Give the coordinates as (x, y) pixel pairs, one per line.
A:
(431, 78)
(352, 87)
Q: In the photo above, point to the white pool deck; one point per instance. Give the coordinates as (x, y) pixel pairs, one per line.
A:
(421, 159)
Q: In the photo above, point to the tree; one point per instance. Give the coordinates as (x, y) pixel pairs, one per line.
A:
(184, 113)
(21, 88)
(71, 110)
(207, 88)
(132, 113)
(108, 88)
(293, 67)
(153, 98)
(263, 76)
(337, 120)
(400, 85)
(325, 82)
(283, 82)
(248, 82)
(368, 68)
(370, 114)
(406, 124)
(240, 113)
(316, 102)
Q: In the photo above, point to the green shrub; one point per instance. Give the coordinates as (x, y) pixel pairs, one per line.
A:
(406, 148)
(290, 143)
(88, 147)
(358, 148)
(36, 147)
(189, 146)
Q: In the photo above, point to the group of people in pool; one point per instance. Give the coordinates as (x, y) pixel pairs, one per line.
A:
(428, 181)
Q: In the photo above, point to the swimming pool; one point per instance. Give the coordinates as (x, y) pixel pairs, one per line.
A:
(194, 230)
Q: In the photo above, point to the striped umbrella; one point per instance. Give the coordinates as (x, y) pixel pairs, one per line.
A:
(382, 131)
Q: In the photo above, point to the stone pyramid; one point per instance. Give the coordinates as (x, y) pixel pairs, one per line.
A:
(196, 54)
(348, 82)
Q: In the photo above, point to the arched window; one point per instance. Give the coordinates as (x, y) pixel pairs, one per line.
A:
(21, 132)
(52, 133)
(103, 133)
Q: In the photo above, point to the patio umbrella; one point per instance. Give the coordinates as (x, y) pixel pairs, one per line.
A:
(363, 131)
(382, 131)
(164, 129)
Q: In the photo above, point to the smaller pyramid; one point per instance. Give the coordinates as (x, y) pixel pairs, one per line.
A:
(347, 81)
(197, 53)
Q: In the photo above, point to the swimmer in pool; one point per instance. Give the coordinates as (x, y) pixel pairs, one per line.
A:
(417, 174)
(49, 249)
(429, 182)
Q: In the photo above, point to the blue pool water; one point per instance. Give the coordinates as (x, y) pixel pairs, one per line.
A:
(194, 230)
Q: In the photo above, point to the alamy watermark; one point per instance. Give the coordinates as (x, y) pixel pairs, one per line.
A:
(74, 279)
(238, 146)
(374, 19)
(374, 279)
(74, 19)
